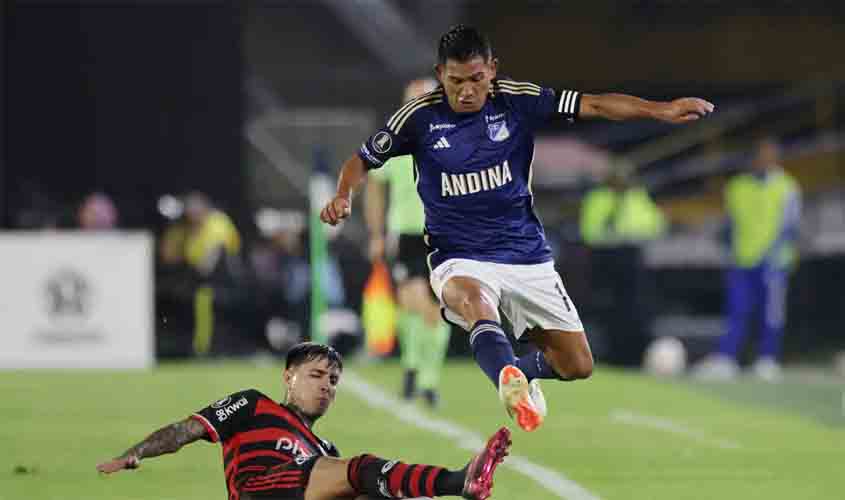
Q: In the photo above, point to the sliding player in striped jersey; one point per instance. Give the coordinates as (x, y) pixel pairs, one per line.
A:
(271, 452)
(472, 140)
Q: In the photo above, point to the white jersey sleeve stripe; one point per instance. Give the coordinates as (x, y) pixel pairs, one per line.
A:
(391, 124)
(568, 103)
(515, 85)
(421, 104)
(505, 90)
(409, 104)
(563, 96)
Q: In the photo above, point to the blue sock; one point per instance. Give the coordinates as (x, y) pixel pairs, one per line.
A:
(491, 348)
(534, 365)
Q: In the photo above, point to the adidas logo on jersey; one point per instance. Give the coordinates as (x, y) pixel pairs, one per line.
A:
(442, 143)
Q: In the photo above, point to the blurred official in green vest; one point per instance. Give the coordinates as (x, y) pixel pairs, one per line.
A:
(617, 217)
(763, 207)
(618, 212)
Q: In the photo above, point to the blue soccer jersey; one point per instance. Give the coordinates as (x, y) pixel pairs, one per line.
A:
(473, 170)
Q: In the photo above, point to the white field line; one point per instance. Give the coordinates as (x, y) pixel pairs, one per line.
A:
(549, 479)
(672, 427)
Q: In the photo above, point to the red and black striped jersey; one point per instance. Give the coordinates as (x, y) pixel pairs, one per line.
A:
(257, 434)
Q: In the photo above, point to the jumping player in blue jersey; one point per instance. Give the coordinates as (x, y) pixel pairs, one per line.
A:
(472, 140)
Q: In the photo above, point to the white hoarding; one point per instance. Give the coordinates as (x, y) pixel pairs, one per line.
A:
(76, 300)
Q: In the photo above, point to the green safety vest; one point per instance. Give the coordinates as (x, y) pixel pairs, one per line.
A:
(611, 217)
(405, 212)
(756, 208)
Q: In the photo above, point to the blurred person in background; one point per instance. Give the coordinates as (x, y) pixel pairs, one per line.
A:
(206, 242)
(617, 218)
(282, 268)
(764, 210)
(423, 335)
(619, 211)
(283, 277)
(97, 213)
(472, 140)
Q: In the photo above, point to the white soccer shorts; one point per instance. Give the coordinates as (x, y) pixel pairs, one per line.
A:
(530, 295)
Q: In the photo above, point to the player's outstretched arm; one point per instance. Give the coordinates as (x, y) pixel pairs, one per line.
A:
(168, 439)
(627, 107)
(340, 207)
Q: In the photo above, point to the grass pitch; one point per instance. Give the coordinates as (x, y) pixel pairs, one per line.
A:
(618, 435)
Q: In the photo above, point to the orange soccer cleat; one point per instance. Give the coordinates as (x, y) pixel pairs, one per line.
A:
(515, 393)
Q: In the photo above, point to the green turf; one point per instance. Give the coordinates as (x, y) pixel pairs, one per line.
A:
(820, 398)
(57, 425)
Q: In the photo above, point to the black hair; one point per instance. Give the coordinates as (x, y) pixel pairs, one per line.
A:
(462, 43)
(309, 351)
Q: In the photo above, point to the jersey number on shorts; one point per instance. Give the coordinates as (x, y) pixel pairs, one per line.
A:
(563, 296)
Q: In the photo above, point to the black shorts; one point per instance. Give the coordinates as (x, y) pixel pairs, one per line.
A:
(412, 258)
(283, 482)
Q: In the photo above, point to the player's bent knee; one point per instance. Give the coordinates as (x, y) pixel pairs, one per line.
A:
(583, 367)
(571, 365)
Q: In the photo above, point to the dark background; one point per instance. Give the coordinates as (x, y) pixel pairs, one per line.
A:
(140, 98)
(144, 98)
(135, 101)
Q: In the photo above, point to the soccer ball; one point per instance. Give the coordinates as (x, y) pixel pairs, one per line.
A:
(665, 357)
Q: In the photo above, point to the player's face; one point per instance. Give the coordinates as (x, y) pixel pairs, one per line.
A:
(312, 386)
(467, 83)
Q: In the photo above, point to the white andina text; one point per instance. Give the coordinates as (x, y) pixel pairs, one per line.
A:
(474, 182)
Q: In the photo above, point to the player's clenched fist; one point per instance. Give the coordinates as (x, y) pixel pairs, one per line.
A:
(686, 109)
(336, 210)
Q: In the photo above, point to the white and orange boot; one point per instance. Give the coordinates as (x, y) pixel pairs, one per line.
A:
(515, 393)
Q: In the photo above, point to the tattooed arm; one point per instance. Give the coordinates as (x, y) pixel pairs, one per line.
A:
(168, 439)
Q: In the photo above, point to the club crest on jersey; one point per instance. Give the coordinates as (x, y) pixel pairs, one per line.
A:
(498, 131)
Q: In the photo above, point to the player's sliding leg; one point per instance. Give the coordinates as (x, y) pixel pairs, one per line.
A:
(491, 348)
(374, 477)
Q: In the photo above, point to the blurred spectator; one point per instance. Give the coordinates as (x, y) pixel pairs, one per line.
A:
(280, 266)
(616, 218)
(97, 213)
(764, 210)
(619, 212)
(206, 243)
(283, 277)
